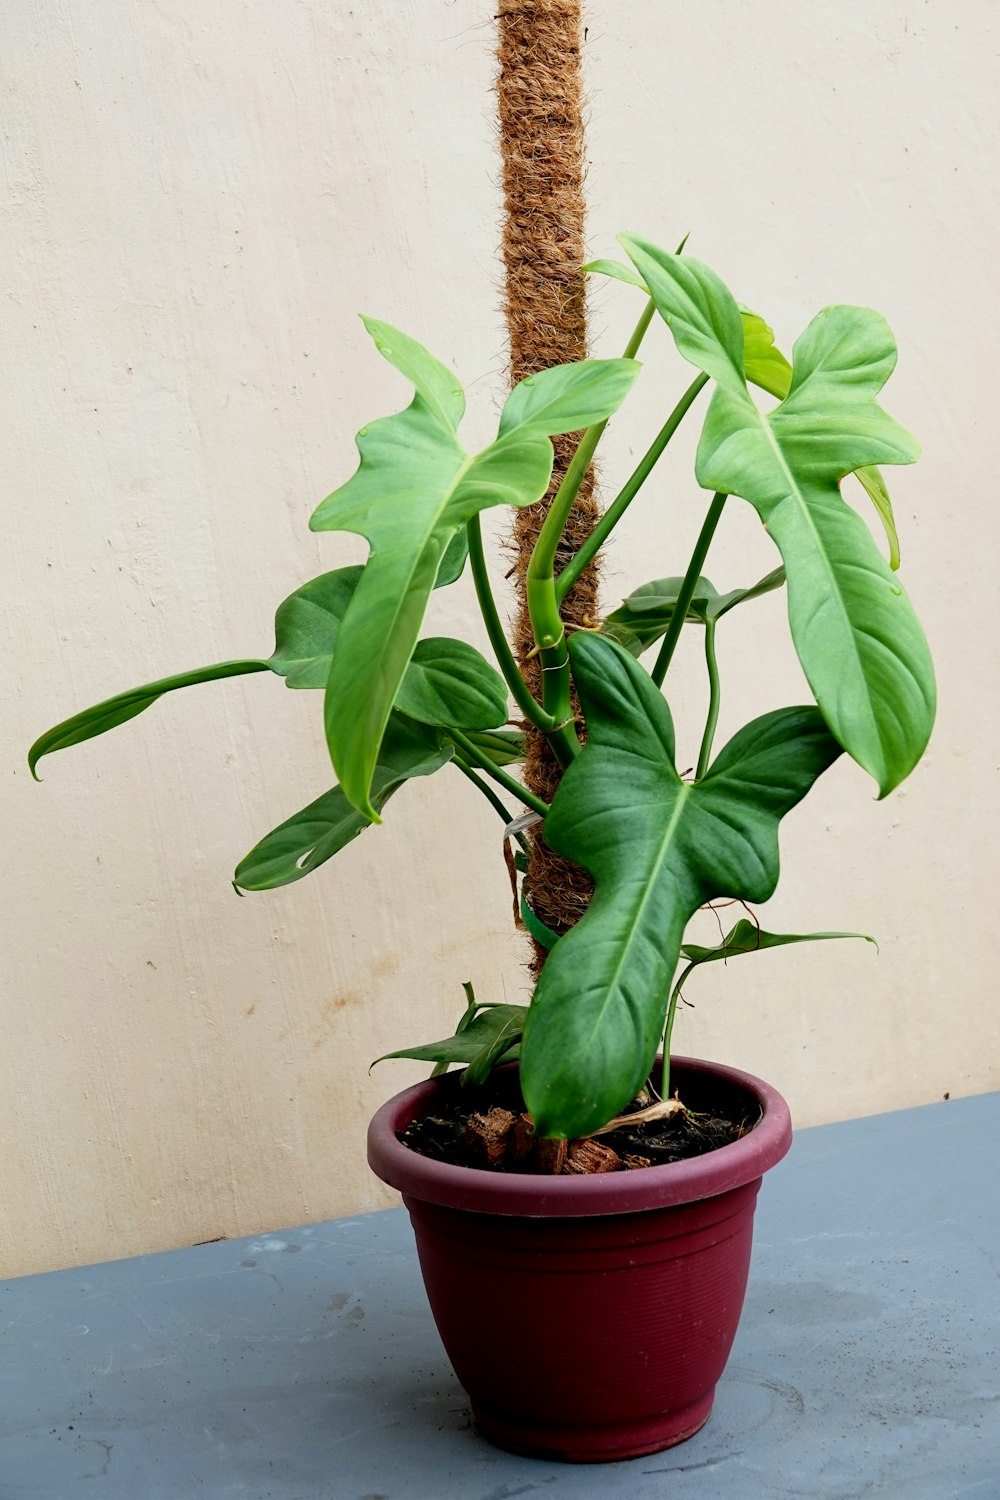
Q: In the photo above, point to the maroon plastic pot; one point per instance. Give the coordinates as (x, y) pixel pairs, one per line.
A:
(589, 1318)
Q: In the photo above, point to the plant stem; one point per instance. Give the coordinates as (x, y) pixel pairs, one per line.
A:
(472, 1005)
(704, 754)
(540, 586)
(520, 691)
(627, 494)
(490, 796)
(543, 557)
(668, 1027)
(688, 587)
(475, 756)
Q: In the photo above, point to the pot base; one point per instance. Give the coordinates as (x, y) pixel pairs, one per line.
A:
(594, 1445)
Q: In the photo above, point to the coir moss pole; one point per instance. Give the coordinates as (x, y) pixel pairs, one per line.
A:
(541, 141)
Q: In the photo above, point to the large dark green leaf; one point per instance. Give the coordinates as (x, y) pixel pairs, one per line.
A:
(450, 683)
(416, 486)
(124, 706)
(491, 1034)
(747, 937)
(308, 839)
(857, 637)
(658, 848)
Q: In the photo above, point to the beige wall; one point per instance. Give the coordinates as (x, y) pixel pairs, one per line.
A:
(199, 198)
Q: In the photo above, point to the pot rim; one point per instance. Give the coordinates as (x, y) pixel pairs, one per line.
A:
(528, 1195)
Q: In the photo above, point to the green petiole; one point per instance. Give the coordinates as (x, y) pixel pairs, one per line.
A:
(688, 587)
(472, 754)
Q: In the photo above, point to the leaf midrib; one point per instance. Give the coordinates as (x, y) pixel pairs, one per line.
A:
(612, 988)
(404, 593)
(795, 493)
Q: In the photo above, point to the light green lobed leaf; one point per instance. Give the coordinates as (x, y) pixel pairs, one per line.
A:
(658, 848)
(855, 632)
(766, 366)
(416, 486)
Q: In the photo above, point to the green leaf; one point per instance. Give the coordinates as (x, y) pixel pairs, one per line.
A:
(416, 486)
(646, 614)
(723, 603)
(766, 366)
(617, 272)
(505, 747)
(492, 1031)
(747, 937)
(456, 555)
(450, 683)
(308, 839)
(114, 711)
(857, 637)
(658, 848)
(875, 487)
(306, 627)
(566, 398)
(763, 364)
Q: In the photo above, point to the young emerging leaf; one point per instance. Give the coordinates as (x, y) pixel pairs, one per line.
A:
(308, 839)
(747, 937)
(763, 364)
(504, 747)
(416, 486)
(491, 1035)
(855, 632)
(658, 848)
(646, 614)
(124, 706)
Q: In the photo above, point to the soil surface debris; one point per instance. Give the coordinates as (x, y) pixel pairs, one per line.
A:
(488, 1128)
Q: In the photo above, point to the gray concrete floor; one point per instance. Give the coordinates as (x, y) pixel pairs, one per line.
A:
(303, 1365)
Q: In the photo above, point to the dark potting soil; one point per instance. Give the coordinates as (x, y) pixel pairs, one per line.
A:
(485, 1127)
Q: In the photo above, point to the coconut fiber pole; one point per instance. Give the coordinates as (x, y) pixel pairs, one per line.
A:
(541, 142)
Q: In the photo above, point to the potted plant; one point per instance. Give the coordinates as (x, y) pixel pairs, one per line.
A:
(589, 1304)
